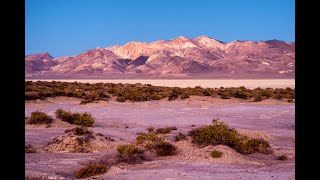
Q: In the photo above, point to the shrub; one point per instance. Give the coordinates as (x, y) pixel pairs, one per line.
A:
(217, 133)
(121, 99)
(221, 133)
(290, 100)
(225, 95)
(29, 149)
(82, 119)
(257, 98)
(91, 170)
(165, 130)
(180, 137)
(173, 96)
(86, 101)
(130, 154)
(282, 157)
(79, 131)
(184, 96)
(148, 140)
(165, 149)
(216, 154)
(249, 146)
(38, 117)
(150, 129)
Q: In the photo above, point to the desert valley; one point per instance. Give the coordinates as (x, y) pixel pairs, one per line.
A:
(185, 108)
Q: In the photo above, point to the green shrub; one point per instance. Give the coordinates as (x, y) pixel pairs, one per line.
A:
(79, 131)
(282, 157)
(38, 117)
(216, 154)
(148, 140)
(130, 154)
(180, 137)
(165, 130)
(173, 96)
(221, 133)
(86, 101)
(184, 96)
(91, 170)
(29, 149)
(150, 129)
(165, 149)
(121, 99)
(127, 149)
(257, 98)
(217, 133)
(248, 146)
(290, 100)
(82, 119)
(225, 95)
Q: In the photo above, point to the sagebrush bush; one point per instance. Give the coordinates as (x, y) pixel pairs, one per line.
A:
(180, 137)
(129, 153)
(216, 154)
(148, 140)
(165, 149)
(150, 129)
(91, 170)
(79, 131)
(282, 157)
(29, 149)
(82, 119)
(38, 117)
(165, 130)
(221, 133)
(217, 133)
(248, 146)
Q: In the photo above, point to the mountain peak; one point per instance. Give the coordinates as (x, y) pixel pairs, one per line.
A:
(42, 55)
(181, 38)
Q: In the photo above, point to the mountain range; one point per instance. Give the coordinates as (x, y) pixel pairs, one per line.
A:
(180, 57)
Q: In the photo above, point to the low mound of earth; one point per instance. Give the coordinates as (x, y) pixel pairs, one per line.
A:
(87, 143)
(193, 153)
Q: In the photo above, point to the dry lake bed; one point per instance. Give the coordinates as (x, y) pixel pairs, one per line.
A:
(273, 120)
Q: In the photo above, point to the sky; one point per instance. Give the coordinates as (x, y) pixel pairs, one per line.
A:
(68, 27)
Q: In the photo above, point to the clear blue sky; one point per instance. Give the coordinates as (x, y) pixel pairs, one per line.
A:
(67, 27)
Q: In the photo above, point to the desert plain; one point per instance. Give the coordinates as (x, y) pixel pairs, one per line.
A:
(270, 119)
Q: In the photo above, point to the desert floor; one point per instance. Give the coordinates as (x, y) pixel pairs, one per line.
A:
(273, 120)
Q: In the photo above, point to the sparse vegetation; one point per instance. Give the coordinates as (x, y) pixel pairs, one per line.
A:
(82, 119)
(216, 154)
(180, 137)
(138, 92)
(129, 153)
(79, 131)
(150, 129)
(29, 149)
(148, 140)
(165, 130)
(221, 133)
(91, 170)
(38, 117)
(282, 157)
(165, 149)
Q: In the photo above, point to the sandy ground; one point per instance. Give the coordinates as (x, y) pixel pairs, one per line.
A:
(272, 120)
